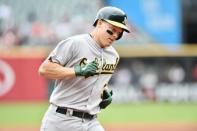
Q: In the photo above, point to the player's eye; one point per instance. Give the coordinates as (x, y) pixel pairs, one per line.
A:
(109, 32)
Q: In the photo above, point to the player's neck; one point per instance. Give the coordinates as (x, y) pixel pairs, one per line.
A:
(95, 37)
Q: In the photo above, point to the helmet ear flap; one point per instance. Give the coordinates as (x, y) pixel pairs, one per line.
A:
(95, 23)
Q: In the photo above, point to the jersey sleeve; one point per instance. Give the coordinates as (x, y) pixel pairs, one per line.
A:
(63, 52)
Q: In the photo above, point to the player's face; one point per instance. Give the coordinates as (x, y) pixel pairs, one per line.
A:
(109, 33)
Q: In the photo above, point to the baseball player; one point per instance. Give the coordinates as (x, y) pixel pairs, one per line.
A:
(82, 65)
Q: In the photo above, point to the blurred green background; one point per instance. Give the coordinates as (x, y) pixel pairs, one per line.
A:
(30, 114)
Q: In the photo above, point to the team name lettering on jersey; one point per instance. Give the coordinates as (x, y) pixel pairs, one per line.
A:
(104, 66)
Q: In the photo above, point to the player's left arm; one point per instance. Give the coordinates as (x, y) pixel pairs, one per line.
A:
(106, 97)
(107, 93)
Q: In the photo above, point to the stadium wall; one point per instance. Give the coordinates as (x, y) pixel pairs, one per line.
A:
(173, 73)
(19, 79)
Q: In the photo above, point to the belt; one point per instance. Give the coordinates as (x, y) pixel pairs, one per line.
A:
(79, 114)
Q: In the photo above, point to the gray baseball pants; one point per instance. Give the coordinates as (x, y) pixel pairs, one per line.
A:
(54, 121)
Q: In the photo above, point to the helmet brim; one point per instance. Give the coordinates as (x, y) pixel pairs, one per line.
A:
(117, 24)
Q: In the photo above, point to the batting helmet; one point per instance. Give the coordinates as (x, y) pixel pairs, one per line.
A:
(114, 16)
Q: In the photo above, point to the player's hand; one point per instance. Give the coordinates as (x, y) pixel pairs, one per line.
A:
(88, 70)
(106, 98)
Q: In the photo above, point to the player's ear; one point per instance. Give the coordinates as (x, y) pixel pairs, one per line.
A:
(99, 23)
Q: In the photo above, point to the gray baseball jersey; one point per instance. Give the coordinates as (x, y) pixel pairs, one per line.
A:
(82, 93)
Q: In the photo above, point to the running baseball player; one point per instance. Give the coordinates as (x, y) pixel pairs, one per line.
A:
(82, 66)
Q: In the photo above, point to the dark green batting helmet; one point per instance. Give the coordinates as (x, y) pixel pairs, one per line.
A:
(114, 16)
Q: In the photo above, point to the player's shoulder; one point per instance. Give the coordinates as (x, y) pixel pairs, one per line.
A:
(75, 39)
(78, 39)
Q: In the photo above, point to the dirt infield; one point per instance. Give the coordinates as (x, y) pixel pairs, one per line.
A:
(128, 127)
(152, 127)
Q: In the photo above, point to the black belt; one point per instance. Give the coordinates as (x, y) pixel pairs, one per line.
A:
(79, 114)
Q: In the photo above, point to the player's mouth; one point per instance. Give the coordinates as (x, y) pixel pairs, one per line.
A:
(110, 40)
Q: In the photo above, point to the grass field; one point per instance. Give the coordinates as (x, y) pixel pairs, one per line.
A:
(30, 114)
(150, 113)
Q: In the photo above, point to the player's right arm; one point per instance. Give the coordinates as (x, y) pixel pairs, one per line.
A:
(52, 70)
(54, 66)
